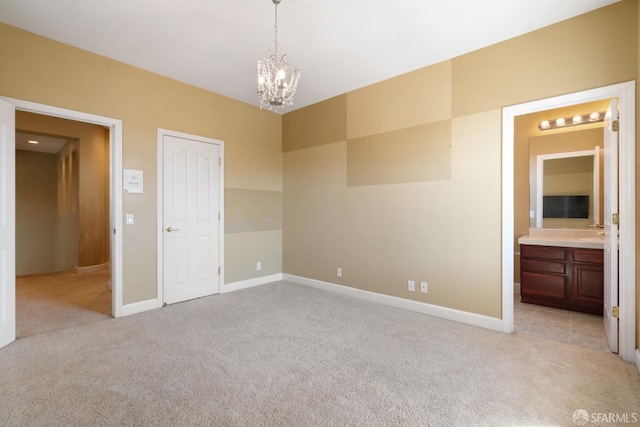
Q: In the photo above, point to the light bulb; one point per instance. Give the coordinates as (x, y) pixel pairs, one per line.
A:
(577, 120)
(560, 122)
(544, 124)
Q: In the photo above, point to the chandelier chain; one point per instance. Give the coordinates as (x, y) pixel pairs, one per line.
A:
(275, 28)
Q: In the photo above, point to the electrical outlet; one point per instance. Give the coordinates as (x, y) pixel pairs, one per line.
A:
(423, 287)
(411, 285)
(339, 272)
(258, 266)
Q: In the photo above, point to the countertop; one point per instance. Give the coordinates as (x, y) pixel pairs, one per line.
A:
(568, 242)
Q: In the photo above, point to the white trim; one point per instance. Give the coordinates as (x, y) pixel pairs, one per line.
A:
(244, 284)
(160, 204)
(139, 307)
(92, 268)
(625, 92)
(638, 359)
(466, 317)
(508, 129)
(115, 202)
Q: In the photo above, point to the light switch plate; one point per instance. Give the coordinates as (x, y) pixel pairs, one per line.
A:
(129, 219)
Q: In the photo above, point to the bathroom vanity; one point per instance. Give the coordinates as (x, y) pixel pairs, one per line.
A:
(562, 272)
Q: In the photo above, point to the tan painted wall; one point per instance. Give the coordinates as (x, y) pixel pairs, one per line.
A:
(444, 231)
(68, 213)
(36, 206)
(41, 70)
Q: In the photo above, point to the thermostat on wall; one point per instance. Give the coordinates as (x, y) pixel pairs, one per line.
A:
(133, 180)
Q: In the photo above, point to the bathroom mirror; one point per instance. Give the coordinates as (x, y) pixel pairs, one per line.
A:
(568, 189)
(565, 170)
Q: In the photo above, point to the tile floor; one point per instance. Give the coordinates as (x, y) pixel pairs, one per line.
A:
(585, 330)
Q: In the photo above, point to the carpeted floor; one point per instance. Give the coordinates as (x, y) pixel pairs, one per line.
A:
(48, 302)
(288, 355)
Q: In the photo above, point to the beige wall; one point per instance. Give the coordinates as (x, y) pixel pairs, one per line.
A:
(36, 207)
(445, 230)
(67, 218)
(41, 70)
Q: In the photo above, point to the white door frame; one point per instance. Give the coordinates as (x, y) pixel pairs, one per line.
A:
(160, 222)
(115, 162)
(625, 92)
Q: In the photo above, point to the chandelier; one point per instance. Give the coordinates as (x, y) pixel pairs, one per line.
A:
(277, 80)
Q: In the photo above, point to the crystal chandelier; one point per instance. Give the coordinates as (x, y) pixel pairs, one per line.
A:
(277, 80)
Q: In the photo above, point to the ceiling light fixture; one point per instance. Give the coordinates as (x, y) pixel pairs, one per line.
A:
(31, 141)
(579, 119)
(277, 80)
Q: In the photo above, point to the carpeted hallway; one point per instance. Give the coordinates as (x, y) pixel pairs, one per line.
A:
(289, 355)
(49, 302)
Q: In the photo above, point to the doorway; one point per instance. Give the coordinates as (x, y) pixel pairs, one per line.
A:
(62, 223)
(115, 197)
(625, 93)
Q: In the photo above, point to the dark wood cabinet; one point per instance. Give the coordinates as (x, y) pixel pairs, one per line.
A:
(567, 278)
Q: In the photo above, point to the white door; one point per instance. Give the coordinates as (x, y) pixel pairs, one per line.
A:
(191, 215)
(7, 224)
(610, 226)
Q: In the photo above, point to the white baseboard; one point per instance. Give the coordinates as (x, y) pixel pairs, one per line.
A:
(473, 319)
(236, 286)
(93, 268)
(139, 307)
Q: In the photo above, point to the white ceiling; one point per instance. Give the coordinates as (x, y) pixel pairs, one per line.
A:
(340, 45)
(45, 144)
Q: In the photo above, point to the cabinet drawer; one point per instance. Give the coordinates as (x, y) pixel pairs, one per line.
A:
(539, 266)
(593, 256)
(543, 286)
(543, 252)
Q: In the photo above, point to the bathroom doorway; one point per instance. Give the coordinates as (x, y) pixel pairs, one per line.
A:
(625, 93)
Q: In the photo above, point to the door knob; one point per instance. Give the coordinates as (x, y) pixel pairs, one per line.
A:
(170, 229)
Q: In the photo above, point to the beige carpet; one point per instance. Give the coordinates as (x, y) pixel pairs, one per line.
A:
(48, 302)
(288, 355)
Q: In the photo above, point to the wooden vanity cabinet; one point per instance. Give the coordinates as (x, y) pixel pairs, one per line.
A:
(561, 277)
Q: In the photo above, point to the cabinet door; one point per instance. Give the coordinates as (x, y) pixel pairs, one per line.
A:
(545, 289)
(587, 292)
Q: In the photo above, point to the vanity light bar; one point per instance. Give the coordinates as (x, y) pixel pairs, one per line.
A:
(564, 122)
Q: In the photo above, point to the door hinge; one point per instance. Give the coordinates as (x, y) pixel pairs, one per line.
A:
(615, 125)
(219, 216)
(615, 219)
(219, 161)
(218, 271)
(615, 311)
